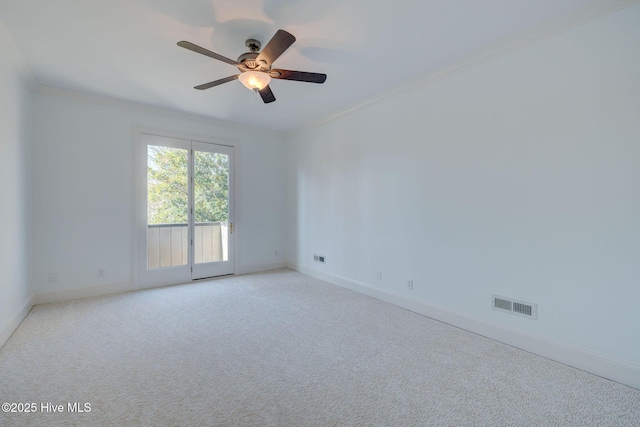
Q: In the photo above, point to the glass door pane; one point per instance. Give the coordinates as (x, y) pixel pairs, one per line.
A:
(167, 207)
(184, 210)
(212, 223)
(211, 207)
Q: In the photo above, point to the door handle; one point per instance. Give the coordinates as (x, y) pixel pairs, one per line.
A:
(230, 228)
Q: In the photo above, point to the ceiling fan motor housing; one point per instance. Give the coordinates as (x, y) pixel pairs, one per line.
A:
(248, 62)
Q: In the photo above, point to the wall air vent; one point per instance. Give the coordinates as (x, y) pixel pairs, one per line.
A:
(519, 308)
(502, 303)
(522, 308)
(319, 258)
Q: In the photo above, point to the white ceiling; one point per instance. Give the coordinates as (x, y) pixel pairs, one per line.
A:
(126, 49)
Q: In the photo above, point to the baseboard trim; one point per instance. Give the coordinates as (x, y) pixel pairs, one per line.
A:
(85, 292)
(15, 320)
(249, 269)
(116, 288)
(585, 360)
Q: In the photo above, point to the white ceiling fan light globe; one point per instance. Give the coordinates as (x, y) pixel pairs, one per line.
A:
(254, 80)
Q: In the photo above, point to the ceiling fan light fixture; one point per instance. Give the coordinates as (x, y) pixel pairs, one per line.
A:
(254, 80)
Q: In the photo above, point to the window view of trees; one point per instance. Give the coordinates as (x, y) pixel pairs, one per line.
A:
(169, 189)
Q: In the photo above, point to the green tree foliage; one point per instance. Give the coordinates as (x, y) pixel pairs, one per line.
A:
(169, 190)
(211, 190)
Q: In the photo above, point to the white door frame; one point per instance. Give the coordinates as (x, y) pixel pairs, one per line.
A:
(169, 276)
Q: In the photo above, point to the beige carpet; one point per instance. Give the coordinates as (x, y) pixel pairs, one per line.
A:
(283, 349)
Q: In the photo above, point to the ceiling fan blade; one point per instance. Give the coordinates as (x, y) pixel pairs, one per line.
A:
(276, 47)
(267, 95)
(300, 76)
(203, 51)
(216, 82)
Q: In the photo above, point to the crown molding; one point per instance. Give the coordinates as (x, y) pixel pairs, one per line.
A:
(8, 46)
(583, 15)
(143, 108)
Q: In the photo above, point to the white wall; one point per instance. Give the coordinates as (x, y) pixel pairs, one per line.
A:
(15, 197)
(84, 186)
(518, 177)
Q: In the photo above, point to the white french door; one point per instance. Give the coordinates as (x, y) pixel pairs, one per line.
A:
(184, 220)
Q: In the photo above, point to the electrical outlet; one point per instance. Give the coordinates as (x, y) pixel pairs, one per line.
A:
(101, 272)
(379, 275)
(410, 284)
(53, 277)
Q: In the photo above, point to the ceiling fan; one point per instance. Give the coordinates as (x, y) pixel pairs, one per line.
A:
(255, 66)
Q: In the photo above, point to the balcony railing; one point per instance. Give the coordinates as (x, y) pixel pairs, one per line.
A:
(168, 244)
